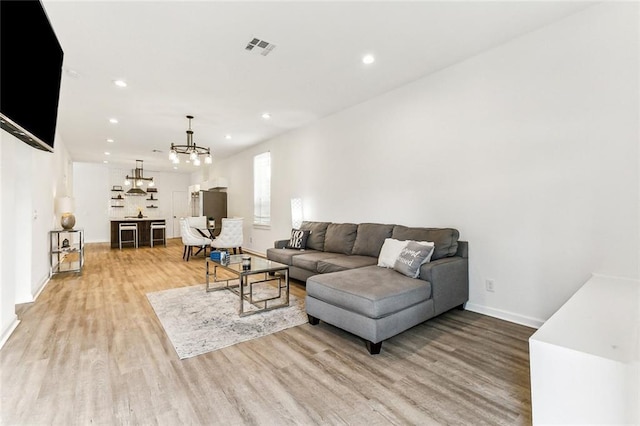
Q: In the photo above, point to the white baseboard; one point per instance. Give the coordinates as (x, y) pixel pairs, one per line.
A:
(505, 315)
(15, 321)
(30, 298)
(42, 286)
(255, 253)
(9, 330)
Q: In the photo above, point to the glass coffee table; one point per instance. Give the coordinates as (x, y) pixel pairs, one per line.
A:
(260, 283)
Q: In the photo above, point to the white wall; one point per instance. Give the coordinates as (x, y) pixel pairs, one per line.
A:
(92, 191)
(30, 180)
(91, 196)
(529, 149)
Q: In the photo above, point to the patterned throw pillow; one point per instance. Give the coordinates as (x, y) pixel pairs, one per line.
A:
(411, 258)
(392, 248)
(298, 239)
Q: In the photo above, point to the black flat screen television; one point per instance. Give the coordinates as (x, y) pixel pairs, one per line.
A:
(30, 73)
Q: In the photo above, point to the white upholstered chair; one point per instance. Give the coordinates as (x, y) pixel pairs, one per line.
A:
(198, 222)
(199, 225)
(191, 238)
(231, 236)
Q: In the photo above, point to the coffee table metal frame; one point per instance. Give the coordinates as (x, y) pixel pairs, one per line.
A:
(273, 272)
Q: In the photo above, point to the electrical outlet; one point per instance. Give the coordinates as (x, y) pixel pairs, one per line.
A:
(490, 285)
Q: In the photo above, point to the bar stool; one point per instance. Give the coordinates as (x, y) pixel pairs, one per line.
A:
(133, 227)
(160, 226)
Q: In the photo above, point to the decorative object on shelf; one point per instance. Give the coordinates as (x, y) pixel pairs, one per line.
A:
(65, 243)
(117, 200)
(191, 149)
(64, 206)
(116, 188)
(137, 180)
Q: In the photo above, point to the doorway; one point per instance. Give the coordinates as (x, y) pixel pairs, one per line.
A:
(179, 208)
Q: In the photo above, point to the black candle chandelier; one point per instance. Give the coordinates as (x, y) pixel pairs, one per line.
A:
(191, 149)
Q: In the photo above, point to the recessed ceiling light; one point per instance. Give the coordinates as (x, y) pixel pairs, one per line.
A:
(105, 161)
(175, 167)
(227, 136)
(107, 153)
(120, 83)
(368, 59)
(266, 116)
(113, 120)
(110, 140)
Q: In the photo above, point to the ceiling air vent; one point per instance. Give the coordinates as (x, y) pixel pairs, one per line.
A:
(260, 46)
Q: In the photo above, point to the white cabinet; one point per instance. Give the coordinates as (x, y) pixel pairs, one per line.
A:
(215, 183)
(585, 365)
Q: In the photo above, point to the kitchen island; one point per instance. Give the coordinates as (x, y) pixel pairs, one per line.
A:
(144, 230)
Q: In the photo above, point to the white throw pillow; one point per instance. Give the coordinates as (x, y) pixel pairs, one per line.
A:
(389, 252)
(392, 248)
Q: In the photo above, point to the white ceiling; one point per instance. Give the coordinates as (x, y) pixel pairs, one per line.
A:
(182, 58)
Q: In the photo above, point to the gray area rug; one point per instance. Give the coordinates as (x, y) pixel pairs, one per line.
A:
(198, 322)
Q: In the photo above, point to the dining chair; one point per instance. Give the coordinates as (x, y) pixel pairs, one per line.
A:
(191, 239)
(231, 236)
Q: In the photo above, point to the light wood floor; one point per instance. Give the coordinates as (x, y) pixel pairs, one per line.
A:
(90, 350)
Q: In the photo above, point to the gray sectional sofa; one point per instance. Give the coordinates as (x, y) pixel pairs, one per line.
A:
(347, 289)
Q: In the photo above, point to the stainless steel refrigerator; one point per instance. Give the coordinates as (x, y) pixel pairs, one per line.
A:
(212, 204)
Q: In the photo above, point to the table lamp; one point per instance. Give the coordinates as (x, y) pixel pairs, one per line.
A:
(296, 212)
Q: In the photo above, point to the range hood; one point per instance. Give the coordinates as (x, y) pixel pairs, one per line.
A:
(136, 191)
(137, 180)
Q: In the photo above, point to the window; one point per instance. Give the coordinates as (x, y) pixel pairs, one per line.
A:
(262, 189)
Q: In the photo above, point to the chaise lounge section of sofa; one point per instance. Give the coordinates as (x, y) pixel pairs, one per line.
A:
(346, 287)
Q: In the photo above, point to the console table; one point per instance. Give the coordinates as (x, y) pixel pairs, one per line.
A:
(144, 230)
(66, 250)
